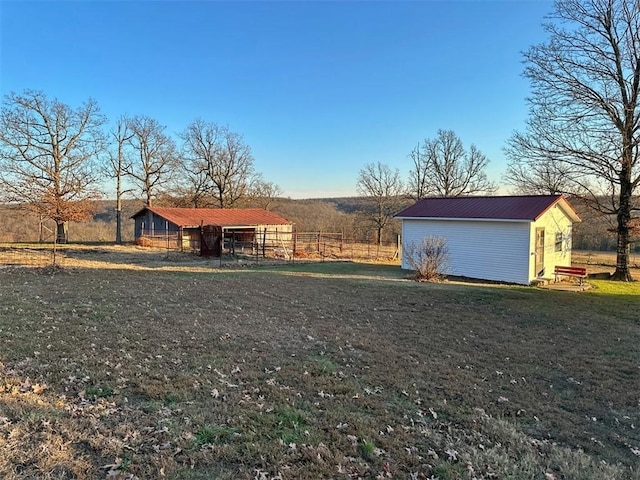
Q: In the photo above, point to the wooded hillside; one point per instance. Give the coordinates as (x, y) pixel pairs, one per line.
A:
(311, 215)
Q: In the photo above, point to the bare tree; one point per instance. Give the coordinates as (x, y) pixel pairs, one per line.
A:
(585, 110)
(384, 189)
(192, 189)
(543, 177)
(418, 183)
(48, 154)
(262, 193)
(444, 168)
(155, 157)
(117, 165)
(218, 163)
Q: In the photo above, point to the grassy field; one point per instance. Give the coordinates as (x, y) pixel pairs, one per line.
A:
(306, 371)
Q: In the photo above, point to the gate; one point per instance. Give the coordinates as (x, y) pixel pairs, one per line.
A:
(210, 241)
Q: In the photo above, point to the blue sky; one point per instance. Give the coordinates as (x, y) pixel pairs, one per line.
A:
(317, 89)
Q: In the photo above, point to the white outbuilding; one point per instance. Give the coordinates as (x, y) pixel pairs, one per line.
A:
(514, 239)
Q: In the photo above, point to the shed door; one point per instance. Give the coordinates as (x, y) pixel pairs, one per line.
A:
(539, 251)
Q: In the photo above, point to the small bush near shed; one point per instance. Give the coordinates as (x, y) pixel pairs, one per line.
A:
(429, 258)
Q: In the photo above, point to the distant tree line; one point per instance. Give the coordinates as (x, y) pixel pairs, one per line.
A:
(328, 215)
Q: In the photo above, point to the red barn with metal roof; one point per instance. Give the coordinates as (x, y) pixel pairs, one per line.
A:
(194, 228)
(223, 217)
(515, 239)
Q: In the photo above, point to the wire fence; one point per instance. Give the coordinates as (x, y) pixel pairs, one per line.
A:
(30, 255)
(269, 244)
(336, 246)
(259, 247)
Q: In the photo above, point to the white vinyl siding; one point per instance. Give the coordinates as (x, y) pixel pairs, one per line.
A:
(490, 250)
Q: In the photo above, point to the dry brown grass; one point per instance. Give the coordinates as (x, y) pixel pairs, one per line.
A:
(598, 262)
(117, 366)
(138, 257)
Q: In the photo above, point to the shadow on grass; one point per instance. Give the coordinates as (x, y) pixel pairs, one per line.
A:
(344, 269)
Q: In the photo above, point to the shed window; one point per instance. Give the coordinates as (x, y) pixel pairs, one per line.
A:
(558, 241)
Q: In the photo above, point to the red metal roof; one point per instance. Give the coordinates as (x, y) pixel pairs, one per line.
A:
(224, 217)
(529, 207)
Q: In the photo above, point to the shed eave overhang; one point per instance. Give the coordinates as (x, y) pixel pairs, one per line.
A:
(564, 205)
(456, 219)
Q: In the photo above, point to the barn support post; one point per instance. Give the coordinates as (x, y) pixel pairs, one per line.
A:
(255, 244)
(264, 242)
(318, 242)
(222, 235)
(166, 232)
(295, 239)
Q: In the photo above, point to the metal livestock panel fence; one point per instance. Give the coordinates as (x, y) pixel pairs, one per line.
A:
(300, 245)
(30, 255)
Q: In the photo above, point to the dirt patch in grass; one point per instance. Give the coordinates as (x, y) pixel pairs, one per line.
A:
(310, 371)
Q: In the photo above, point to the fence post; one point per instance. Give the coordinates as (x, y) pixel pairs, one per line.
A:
(294, 238)
(256, 244)
(264, 242)
(55, 245)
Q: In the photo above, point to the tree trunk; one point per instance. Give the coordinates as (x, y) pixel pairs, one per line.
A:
(118, 223)
(622, 256)
(61, 232)
(622, 272)
(119, 197)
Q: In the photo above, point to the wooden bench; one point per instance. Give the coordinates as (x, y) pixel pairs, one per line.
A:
(579, 272)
